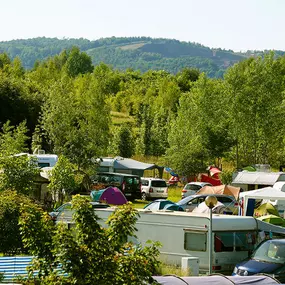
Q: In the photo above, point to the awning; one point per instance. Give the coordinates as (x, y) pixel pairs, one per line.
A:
(258, 178)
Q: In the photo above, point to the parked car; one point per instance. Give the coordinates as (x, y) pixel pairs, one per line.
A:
(153, 188)
(67, 207)
(268, 258)
(191, 202)
(192, 187)
(130, 185)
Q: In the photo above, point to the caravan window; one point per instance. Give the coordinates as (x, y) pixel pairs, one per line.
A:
(238, 241)
(195, 241)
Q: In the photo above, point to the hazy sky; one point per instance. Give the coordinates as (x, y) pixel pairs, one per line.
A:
(229, 24)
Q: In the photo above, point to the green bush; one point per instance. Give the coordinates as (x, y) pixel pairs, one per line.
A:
(88, 253)
(10, 241)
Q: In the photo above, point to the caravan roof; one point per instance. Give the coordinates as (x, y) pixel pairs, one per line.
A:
(258, 178)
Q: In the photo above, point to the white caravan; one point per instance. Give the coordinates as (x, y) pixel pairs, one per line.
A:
(184, 234)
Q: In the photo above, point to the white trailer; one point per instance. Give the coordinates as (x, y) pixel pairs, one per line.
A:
(184, 234)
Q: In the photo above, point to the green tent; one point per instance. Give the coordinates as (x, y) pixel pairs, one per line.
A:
(265, 209)
(272, 219)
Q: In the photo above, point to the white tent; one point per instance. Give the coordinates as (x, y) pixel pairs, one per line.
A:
(268, 193)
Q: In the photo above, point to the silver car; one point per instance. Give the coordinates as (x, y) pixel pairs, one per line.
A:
(191, 202)
(192, 187)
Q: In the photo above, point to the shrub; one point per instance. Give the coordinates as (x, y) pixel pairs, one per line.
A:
(90, 253)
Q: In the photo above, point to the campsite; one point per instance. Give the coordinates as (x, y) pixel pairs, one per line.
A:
(208, 239)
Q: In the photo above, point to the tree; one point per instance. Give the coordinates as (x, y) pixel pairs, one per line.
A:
(91, 254)
(11, 242)
(62, 179)
(122, 141)
(18, 171)
(76, 119)
(78, 63)
(255, 89)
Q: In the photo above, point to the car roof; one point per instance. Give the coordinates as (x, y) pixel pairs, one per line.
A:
(206, 195)
(118, 174)
(199, 183)
(153, 178)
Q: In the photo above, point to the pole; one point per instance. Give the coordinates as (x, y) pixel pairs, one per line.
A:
(210, 243)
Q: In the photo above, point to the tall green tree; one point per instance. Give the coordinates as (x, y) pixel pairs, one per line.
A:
(76, 119)
(256, 92)
(78, 63)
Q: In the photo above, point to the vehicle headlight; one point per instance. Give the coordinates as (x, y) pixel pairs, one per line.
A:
(235, 270)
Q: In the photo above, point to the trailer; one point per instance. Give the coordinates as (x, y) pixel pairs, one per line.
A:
(184, 234)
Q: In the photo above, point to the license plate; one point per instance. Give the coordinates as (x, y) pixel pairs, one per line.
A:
(159, 191)
(128, 194)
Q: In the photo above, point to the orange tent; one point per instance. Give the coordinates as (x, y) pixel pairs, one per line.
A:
(221, 189)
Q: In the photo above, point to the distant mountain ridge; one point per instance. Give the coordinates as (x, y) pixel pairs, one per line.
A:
(138, 53)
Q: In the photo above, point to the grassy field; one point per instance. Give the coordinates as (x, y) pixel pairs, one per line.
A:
(174, 195)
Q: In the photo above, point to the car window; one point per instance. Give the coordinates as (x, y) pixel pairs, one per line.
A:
(225, 199)
(192, 187)
(158, 183)
(144, 182)
(194, 201)
(136, 181)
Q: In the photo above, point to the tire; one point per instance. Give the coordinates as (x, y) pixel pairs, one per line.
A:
(144, 197)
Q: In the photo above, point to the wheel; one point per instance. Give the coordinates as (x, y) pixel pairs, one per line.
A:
(144, 198)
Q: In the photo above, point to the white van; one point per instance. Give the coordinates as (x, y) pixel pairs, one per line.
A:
(153, 188)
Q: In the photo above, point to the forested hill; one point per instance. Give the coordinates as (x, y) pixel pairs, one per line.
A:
(138, 53)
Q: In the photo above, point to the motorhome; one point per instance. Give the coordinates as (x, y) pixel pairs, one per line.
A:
(42, 159)
(184, 234)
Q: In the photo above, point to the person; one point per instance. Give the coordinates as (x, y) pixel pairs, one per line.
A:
(280, 252)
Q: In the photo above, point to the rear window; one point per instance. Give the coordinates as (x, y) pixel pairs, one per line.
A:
(132, 180)
(192, 187)
(144, 182)
(158, 183)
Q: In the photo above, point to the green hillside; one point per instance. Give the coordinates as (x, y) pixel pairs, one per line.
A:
(138, 53)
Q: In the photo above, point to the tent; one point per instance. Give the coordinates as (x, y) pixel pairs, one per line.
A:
(162, 204)
(265, 209)
(127, 165)
(263, 193)
(221, 189)
(110, 195)
(272, 219)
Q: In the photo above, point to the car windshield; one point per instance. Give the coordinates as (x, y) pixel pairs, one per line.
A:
(270, 251)
(185, 200)
(158, 183)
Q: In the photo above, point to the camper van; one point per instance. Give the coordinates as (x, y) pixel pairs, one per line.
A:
(46, 160)
(184, 234)
(41, 159)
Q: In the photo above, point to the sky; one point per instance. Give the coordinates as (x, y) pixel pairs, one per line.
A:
(238, 25)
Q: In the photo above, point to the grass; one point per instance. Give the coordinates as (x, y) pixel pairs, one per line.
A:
(167, 269)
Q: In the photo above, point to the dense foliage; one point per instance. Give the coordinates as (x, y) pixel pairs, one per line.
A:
(187, 120)
(11, 241)
(89, 254)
